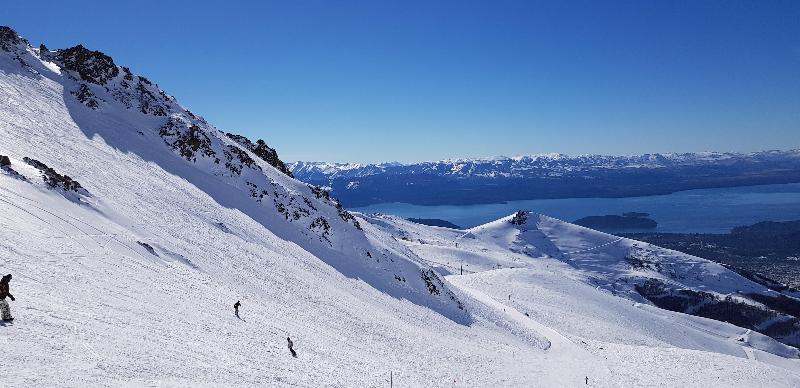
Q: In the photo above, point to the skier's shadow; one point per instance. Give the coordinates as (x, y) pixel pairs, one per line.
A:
(241, 319)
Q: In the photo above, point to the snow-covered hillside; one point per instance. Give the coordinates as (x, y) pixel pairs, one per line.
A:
(585, 284)
(101, 103)
(131, 226)
(645, 273)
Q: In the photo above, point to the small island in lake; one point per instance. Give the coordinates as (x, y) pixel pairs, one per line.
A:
(630, 220)
(435, 222)
(636, 214)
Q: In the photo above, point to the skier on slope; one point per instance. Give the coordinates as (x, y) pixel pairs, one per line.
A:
(290, 344)
(236, 308)
(4, 308)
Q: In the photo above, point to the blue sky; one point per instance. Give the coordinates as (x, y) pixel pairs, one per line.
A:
(367, 81)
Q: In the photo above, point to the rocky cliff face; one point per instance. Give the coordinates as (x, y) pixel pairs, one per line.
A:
(263, 151)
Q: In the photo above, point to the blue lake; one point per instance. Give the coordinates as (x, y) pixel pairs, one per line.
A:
(692, 211)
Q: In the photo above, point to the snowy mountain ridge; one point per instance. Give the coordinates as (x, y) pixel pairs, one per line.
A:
(132, 226)
(546, 176)
(550, 164)
(98, 93)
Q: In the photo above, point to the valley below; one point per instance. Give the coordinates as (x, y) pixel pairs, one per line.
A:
(771, 249)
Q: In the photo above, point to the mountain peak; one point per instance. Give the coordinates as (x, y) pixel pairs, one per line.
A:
(9, 37)
(92, 66)
(88, 96)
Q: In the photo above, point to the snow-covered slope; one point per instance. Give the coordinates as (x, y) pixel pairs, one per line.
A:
(132, 225)
(142, 120)
(584, 284)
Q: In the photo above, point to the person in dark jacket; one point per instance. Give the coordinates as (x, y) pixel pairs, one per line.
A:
(291, 349)
(4, 307)
(236, 308)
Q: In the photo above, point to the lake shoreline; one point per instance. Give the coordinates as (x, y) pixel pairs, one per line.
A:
(505, 202)
(715, 210)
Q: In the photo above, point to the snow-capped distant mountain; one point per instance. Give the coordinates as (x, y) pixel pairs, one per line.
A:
(531, 166)
(498, 179)
(132, 226)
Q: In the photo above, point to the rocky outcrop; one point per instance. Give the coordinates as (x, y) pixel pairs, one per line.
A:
(347, 216)
(91, 66)
(52, 178)
(188, 139)
(262, 151)
(435, 285)
(14, 44)
(519, 218)
(86, 97)
(149, 103)
(5, 167)
(320, 193)
(236, 159)
(322, 227)
(137, 92)
(8, 38)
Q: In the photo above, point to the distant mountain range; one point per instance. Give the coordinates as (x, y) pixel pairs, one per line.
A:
(491, 180)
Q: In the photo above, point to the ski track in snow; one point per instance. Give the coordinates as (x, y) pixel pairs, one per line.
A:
(562, 354)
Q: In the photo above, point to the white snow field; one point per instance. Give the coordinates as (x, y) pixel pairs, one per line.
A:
(129, 278)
